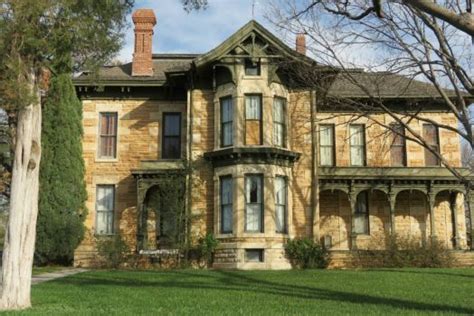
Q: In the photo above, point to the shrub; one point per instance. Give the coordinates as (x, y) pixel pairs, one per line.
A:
(206, 247)
(306, 254)
(404, 251)
(113, 249)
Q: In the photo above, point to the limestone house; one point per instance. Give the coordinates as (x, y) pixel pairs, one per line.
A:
(236, 146)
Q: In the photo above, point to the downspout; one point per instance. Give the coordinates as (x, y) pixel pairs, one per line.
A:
(315, 231)
(189, 170)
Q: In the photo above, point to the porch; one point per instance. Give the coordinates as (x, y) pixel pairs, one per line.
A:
(161, 218)
(360, 206)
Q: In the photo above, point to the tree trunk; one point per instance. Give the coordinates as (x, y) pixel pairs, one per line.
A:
(21, 231)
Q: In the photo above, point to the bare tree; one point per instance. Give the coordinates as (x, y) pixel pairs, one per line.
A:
(407, 43)
(456, 14)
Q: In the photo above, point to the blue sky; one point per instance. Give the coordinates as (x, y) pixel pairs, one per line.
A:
(177, 31)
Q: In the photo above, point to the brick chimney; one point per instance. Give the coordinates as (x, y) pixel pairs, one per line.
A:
(301, 43)
(144, 20)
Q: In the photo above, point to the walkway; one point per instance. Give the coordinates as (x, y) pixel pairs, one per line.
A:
(35, 279)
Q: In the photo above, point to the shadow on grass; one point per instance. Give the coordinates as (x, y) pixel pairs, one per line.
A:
(443, 272)
(237, 281)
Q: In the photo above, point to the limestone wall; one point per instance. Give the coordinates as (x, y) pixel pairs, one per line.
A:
(139, 134)
(378, 139)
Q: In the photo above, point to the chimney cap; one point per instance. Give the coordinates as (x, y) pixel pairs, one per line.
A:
(144, 16)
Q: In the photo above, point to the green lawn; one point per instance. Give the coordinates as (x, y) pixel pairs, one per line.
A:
(399, 291)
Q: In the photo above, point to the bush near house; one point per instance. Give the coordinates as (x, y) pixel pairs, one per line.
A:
(206, 247)
(113, 251)
(405, 251)
(62, 192)
(305, 253)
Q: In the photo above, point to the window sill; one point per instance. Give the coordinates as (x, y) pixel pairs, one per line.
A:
(250, 77)
(106, 160)
(104, 236)
(225, 235)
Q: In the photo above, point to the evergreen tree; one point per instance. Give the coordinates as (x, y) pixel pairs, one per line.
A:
(62, 191)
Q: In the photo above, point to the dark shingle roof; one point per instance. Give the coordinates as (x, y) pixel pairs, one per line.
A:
(162, 64)
(381, 84)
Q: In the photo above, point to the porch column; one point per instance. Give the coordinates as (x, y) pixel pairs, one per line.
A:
(391, 201)
(431, 196)
(454, 209)
(141, 216)
(353, 202)
(470, 202)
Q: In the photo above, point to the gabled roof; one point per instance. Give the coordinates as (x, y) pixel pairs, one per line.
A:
(381, 84)
(243, 33)
(122, 74)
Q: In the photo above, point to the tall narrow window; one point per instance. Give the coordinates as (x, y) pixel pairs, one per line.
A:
(252, 68)
(279, 122)
(430, 135)
(398, 155)
(253, 120)
(171, 148)
(105, 205)
(108, 135)
(361, 219)
(226, 205)
(357, 143)
(254, 203)
(281, 192)
(326, 145)
(226, 122)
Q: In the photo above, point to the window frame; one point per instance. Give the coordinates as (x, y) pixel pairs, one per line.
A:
(260, 120)
(164, 136)
(285, 205)
(112, 211)
(258, 68)
(393, 144)
(365, 213)
(105, 136)
(261, 229)
(332, 146)
(221, 204)
(283, 124)
(437, 146)
(226, 122)
(364, 146)
(261, 255)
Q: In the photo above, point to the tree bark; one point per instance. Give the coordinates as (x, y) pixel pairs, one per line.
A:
(21, 231)
(463, 21)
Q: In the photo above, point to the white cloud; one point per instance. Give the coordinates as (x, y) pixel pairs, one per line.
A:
(196, 32)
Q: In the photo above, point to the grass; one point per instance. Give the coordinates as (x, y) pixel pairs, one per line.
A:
(197, 292)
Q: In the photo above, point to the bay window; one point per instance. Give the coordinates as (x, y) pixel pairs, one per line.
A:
(226, 205)
(281, 205)
(254, 203)
(227, 115)
(253, 119)
(279, 122)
